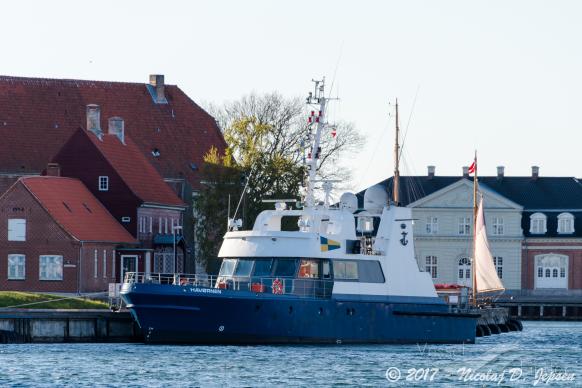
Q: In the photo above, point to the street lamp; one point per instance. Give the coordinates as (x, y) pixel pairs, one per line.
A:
(174, 228)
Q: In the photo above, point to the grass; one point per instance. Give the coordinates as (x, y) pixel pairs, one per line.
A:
(22, 300)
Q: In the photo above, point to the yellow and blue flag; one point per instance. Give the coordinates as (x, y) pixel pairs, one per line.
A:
(328, 245)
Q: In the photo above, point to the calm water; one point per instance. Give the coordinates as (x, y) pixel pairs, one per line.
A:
(542, 347)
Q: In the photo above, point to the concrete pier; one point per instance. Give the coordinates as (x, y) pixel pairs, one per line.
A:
(31, 325)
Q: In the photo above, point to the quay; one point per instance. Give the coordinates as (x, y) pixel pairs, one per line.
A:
(37, 326)
(549, 306)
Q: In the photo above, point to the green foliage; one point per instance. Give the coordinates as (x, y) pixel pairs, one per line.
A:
(43, 301)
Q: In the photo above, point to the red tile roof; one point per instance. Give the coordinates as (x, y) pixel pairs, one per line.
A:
(135, 170)
(73, 207)
(38, 115)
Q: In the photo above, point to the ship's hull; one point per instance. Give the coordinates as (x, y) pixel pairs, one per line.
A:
(186, 314)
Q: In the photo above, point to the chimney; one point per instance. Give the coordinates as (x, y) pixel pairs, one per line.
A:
(500, 172)
(157, 83)
(53, 169)
(465, 171)
(535, 172)
(431, 172)
(117, 128)
(94, 119)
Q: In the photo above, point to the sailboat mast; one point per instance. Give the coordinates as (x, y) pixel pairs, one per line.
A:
(475, 210)
(396, 188)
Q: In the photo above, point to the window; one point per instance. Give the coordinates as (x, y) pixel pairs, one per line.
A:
(562, 272)
(431, 266)
(548, 273)
(497, 226)
(165, 225)
(565, 223)
(537, 223)
(498, 263)
(345, 270)
(370, 271)
(432, 226)
(285, 267)
(227, 267)
(244, 268)
(151, 225)
(16, 229)
(112, 264)
(103, 183)
(95, 265)
(51, 267)
(16, 269)
(104, 263)
(540, 272)
(160, 225)
(464, 226)
(263, 268)
(309, 269)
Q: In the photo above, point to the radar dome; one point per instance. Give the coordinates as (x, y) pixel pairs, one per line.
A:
(375, 198)
(349, 201)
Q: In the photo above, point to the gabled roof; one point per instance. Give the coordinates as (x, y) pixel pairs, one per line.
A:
(38, 115)
(75, 209)
(542, 193)
(135, 170)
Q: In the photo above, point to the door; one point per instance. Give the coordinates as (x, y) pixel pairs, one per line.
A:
(464, 272)
(128, 264)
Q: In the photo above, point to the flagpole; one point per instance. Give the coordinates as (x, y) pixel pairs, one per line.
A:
(473, 277)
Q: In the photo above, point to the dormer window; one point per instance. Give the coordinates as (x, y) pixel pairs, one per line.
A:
(103, 183)
(156, 153)
(538, 223)
(565, 223)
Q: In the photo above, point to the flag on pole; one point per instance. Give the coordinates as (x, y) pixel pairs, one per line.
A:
(472, 167)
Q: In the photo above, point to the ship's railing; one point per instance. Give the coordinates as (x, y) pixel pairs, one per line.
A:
(306, 287)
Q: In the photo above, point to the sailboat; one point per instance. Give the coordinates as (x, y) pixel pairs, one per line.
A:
(485, 281)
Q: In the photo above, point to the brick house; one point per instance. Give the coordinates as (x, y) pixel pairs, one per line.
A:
(112, 167)
(37, 116)
(534, 225)
(57, 237)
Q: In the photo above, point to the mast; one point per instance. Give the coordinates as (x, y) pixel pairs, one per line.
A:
(318, 118)
(475, 210)
(396, 188)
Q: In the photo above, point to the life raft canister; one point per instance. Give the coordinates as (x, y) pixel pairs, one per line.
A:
(277, 287)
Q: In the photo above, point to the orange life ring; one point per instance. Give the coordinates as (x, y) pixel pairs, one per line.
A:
(277, 287)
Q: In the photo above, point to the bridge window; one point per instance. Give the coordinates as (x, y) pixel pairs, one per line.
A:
(309, 269)
(345, 270)
(370, 271)
(244, 268)
(227, 267)
(263, 268)
(285, 267)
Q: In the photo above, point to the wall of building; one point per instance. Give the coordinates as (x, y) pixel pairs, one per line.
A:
(43, 237)
(534, 247)
(119, 199)
(449, 246)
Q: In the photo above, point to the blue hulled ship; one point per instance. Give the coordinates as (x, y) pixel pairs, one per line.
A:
(346, 275)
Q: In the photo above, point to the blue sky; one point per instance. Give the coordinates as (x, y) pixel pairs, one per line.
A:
(502, 77)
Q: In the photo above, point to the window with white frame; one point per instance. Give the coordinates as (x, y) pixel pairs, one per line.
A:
(16, 229)
(160, 225)
(464, 226)
(538, 223)
(50, 267)
(103, 183)
(497, 228)
(431, 266)
(432, 226)
(151, 225)
(104, 263)
(565, 223)
(16, 267)
(498, 263)
(95, 264)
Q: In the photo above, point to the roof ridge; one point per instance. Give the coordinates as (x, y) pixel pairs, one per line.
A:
(9, 78)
